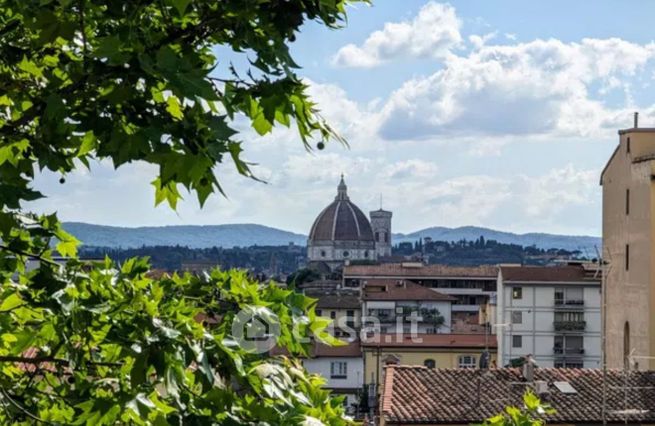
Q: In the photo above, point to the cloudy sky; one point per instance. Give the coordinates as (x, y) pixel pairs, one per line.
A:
(498, 114)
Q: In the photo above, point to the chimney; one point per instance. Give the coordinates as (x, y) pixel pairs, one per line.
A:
(636, 120)
(528, 368)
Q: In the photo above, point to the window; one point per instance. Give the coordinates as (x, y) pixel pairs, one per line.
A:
(627, 145)
(333, 314)
(346, 254)
(431, 330)
(569, 316)
(626, 345)
(322, 253)
(466, 361)
(429, 363)
(517, 317)
(377, 236)
(517, 293)
(319, 312)
(627, 202)
(338, 370)
(350, 313)
(517, 341)
(569, 296)
(568, 345)
(627, 257)
(366, 253)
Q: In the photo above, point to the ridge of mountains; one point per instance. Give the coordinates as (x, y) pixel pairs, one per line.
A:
(244, 235)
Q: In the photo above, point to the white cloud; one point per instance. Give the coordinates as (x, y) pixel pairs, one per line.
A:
(411, 169)
(432, 33)
(559, 189)
(540, 87)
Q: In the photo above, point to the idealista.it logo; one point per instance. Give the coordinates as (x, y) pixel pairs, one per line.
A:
(256, 329)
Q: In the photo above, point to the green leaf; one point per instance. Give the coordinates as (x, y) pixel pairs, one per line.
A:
(180, 5)
(10, 302)
(174, 108)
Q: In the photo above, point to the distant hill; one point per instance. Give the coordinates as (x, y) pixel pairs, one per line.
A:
(193, 236)
(243, 235)
(586, 244)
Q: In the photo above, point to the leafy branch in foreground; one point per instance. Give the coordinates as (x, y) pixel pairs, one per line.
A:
(145, 81)
(99, 344)
(531, 415)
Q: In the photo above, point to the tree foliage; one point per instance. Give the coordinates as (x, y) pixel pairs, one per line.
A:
(119, 82)
(531, 414)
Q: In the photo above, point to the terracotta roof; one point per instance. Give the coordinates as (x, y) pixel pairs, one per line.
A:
(406, 290)
(471, 341)
(402, 270)
(546, 274)
(350, 350)
(419, 395)
(339, 301)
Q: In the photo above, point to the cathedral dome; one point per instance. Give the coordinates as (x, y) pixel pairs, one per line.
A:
(342, 220)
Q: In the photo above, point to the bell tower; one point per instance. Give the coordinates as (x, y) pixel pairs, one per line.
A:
(381, 225)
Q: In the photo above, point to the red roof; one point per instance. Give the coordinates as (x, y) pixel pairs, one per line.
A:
(349, 350)
(547, 274)
(413, 269)
(469, 341)
(401, 290)
(418, 395)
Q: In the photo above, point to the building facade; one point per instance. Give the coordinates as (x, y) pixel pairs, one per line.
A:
(551, 313)
(343, 369)
(628, 249)
(472, 287)
(342, 233)
(397, 306)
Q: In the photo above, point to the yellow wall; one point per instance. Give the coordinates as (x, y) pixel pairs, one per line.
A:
(444, 358)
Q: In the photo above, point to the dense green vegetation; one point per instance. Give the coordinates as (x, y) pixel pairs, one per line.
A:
(272, 260)
(284, 260)
(481, 252)
(143, 81)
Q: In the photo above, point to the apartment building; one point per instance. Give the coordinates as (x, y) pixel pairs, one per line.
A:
(394, 306)
(472, 287)
(551, 313)
(628, 182)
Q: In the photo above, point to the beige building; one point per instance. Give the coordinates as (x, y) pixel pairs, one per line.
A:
(628, 248)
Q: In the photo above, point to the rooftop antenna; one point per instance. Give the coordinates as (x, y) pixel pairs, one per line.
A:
(380, 201)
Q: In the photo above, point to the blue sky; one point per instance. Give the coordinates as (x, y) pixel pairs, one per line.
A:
(489, 113)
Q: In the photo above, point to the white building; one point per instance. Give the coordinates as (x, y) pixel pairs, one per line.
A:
(342, 367)
(552, 313)
(389, 306)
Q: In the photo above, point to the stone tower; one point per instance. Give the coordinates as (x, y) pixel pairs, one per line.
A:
(381, 224)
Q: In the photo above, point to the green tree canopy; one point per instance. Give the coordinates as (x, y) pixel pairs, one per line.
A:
(126, 81)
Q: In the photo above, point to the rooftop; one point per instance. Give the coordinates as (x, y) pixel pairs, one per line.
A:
(319, 350)
(401, 290)
(547, 274)
(419, 395)
(414, 269)
(338, 301)
(469, 341)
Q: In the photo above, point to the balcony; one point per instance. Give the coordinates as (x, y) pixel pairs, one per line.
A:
(569, 325)
(569, 304)
(558, 350)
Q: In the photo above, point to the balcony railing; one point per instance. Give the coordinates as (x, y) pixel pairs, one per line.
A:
(569, 325)
(570, 303)
(557, 350)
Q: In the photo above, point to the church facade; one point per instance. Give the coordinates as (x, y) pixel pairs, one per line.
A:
(342, 233)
